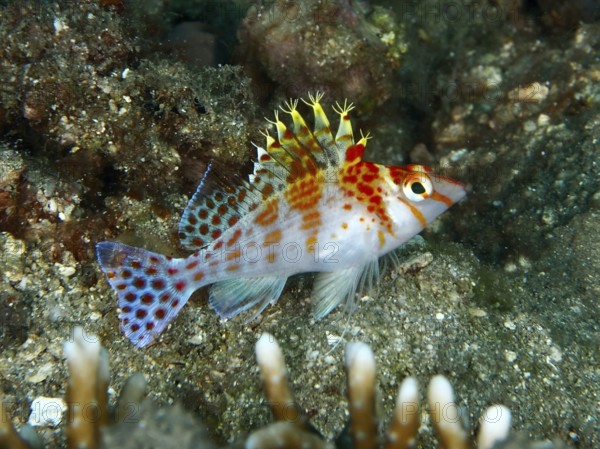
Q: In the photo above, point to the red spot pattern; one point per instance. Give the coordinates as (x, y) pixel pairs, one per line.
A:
(158, 284)
(192, 265)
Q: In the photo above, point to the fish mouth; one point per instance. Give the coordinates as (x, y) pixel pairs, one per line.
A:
(451, 190)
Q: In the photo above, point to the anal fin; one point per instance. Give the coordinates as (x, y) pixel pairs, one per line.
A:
(234, 296)
(334, 288)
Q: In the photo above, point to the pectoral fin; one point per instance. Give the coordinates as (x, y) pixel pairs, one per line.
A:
(336, 287)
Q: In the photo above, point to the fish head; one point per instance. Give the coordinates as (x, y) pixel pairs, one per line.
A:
(417, 196)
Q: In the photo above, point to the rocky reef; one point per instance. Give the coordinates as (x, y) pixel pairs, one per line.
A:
(107, 123)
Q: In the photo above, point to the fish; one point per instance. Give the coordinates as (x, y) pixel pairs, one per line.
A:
(312, 204)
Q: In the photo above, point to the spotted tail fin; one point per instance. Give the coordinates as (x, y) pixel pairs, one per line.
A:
(152, 288)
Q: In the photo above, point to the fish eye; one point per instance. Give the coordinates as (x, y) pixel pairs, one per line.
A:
(417, 187)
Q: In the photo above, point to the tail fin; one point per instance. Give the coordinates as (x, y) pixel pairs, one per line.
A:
(150, 287)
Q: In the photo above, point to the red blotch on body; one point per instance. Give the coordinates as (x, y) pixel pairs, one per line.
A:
(365, 189)
(375, 199)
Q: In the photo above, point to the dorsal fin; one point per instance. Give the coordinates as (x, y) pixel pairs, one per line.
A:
(297, 151)
(219, 203)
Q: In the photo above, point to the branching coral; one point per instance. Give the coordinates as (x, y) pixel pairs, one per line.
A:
(494, 431)
(155, 427)
(87, 397)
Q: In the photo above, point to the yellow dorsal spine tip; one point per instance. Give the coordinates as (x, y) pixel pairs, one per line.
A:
(343, 110)
(291, 106)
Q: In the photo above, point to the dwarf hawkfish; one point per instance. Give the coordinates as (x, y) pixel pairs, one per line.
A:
(312, 204)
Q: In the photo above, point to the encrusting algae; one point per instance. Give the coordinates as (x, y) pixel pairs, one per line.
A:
(312, 204)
